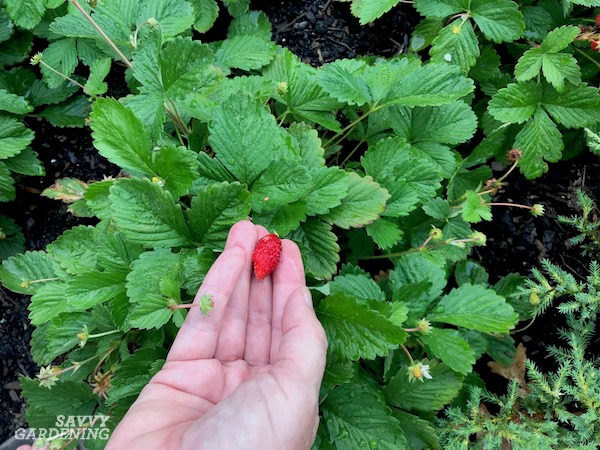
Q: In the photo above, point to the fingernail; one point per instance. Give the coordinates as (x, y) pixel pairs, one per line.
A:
(307, 297)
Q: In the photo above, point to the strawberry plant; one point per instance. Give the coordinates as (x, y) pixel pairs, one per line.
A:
(362, 161)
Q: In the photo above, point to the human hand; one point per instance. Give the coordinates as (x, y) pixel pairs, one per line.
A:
(245, 377)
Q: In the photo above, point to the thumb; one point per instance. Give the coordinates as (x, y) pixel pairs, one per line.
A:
(303, 345)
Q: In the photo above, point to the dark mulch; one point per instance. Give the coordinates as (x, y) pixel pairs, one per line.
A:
(322, 31)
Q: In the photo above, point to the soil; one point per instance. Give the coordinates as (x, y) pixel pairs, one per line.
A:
(318, 32)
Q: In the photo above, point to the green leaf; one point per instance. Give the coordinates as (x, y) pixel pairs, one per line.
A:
(39, 94)
(498, 20)
(439, 8)
(476, 308)
(47, 303)
(7, 184)
(359, 285)
(320, 250)
(304, 97)
(150, 306)
(355, 330)
(120, 136)
(408, 178)
(98, 70)
(25, 13)
(58, 336)
(61, 56)
(14, 103)
(93, 288)
(18, 272)
(206, 14)
(282, 182)
(13, 241)
(556, 67)
(559, 38)
(329, 185)
(424, 33)
(177, 169)
(368, 10)
(537, 21)
(384, 233)
(245, 52)
(75, 250)
(474, 208)
(307, 145)
(430, 85)
(25, 163)
(438, 208)
(577, 107)
(418, 432)
(456, 43)
(283, 219)
(364, 202)
(420, 278)
(516, 103)
(539, 140)
(451, 124)
(431, 395)
(251, 23)
(592, 139)
(96, 196)
(6, 26)
(66, 398)
(135, 372)
(214, 210)
(468, 271)
(245, 137)
(453, 350)
(343, 79)
(356, 417)
(14, 137)
(71, 113)
(16, 49)
(146, 214)
(173, 16)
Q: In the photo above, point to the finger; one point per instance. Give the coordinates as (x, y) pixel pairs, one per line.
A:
(260, 312)
(232, 339)
(198, 336)
(288, 277)
(303, 345)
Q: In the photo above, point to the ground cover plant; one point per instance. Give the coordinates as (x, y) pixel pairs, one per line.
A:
(365, 162)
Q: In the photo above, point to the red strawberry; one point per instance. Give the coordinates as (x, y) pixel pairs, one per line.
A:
(598, 20)
(595, 45)
(266, 255)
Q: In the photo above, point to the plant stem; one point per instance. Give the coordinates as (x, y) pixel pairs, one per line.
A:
(516, 205)
(587, 56)
(102, 33)
(103, 359)
(106, 333)
(52, 69)
(351, 153)
(412, 361)
(348, 128)
(183, 306)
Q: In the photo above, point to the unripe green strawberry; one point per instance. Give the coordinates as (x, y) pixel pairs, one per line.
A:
(266, 255)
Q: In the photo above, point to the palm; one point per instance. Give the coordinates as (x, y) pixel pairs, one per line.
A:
(248, 375)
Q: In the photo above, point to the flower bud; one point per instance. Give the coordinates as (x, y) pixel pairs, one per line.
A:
(537, 210)
(435, 234)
